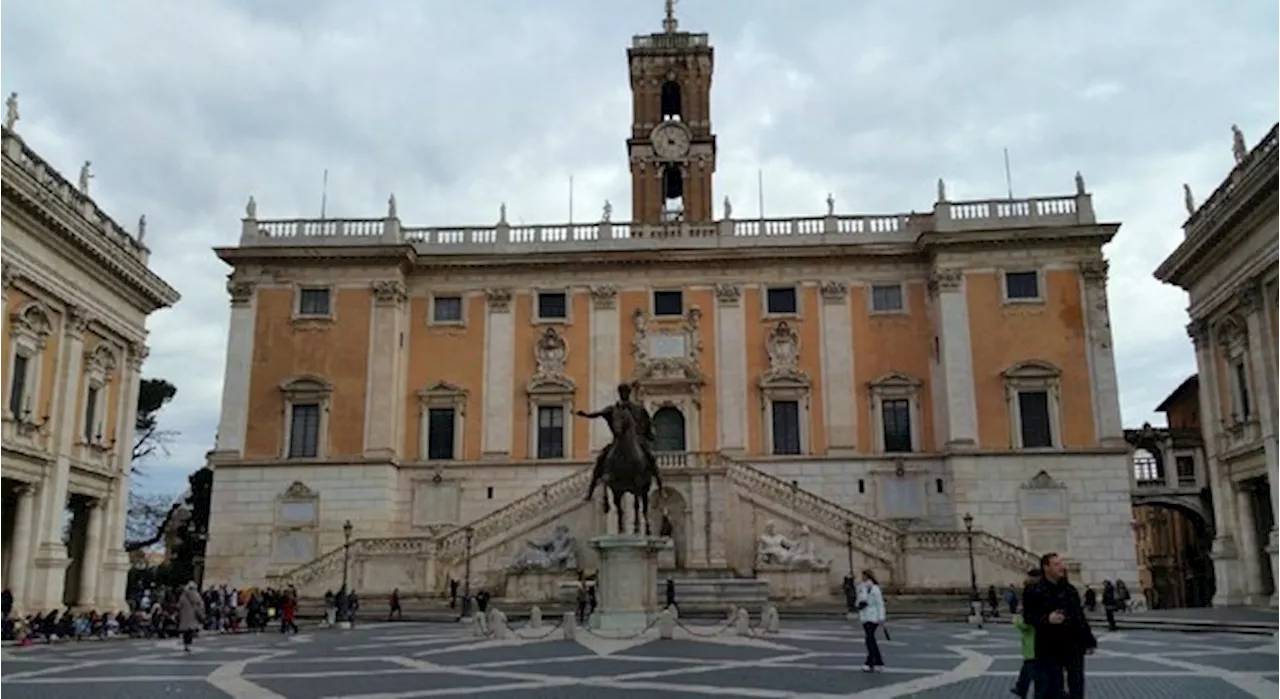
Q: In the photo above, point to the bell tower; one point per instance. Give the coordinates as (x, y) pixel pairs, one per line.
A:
(672, 149)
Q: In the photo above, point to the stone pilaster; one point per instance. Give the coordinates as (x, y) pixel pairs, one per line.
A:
(499, 374)
(956, 358)
(606, 371)
(1105, 388)
(111, 588)
(234, 419)
(381, 416)
(90, 568)
(1249, 297)
(20, 556)
(48, 575)
(731, 368)
(839, 387)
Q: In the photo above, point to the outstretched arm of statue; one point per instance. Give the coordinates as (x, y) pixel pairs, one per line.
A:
(592, 416)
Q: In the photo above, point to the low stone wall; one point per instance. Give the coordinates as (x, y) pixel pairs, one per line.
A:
(537, 586)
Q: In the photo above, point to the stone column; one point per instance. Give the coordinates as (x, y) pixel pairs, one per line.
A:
(381, 415)
(1248, 547)
(234, 419)
(1107, 423)
(20, 556)
(956, 358)
(111, 588)
(49, 572)
(606, 372)
(731, 369)
(499, 375)
(1226, 563)
(93, 545)
(1264, 394)
(839, 387)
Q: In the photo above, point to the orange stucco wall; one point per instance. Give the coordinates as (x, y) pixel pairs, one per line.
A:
(885, 344)
(577, 335)
(808, 329)
(452, 354)
(1003, 335)
(338, 352)
(42, 396)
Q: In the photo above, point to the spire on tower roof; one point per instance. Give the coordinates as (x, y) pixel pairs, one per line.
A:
(669, 24)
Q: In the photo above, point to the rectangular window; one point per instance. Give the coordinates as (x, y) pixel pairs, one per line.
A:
(1186, 466)
(18, 384)
(1033, 411)
(304, 431)
(886, 298)
(668, 303)
(895, 415)
(786, 427)
(440, 431)
(550, 432)
(552, 306)
(1242, 389)
(446, 309)
(90, 414)
(313, 302)
(1021, 285)
(781, 300)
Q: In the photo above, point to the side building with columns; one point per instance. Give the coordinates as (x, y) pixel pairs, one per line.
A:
(1227, 263)
(77, 293)
(858, 386)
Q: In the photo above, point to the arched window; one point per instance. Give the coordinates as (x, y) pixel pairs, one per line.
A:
(671, 101)
(672, 194)
(668, 430)
(1147, 467)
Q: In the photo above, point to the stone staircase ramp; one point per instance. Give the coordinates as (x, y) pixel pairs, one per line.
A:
(326, 564)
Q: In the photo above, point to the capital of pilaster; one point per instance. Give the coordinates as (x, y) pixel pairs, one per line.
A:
(1094, 271)
(945, 280)
(390, 291)
(499, 299)
(835, 291)
(26, 489)
(604, 297)
(137, 355)
(1249, 295)
(1198, 331)
(728, 293)
(241, 291)
(8, 274)
(77, 320)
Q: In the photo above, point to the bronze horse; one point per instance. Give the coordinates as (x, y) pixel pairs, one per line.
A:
(625, 471)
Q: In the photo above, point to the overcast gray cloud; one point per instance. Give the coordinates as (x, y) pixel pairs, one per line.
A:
(187, 108)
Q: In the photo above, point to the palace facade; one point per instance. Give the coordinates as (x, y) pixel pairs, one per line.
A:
(77, 292)
(863, 380)
(1227, 262)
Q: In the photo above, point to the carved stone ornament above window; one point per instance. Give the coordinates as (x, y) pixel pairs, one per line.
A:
(945, 280)
(550, 354)
(1232, 332)
(783, 346)
(728, 293)
(1032, 373)
(241, 291)
(305, 389)
(666, 360)
(835, 291)
(499, 299)
(389, 291)
(77, 320)
(32, 322)
(102, 360)
(604, 297)
(443, 394)
(298, 491)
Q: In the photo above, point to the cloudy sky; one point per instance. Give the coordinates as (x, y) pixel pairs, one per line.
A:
(187, 108)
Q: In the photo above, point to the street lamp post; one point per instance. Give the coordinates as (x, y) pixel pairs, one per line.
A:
(346, 565)
(974, 600)
(466, 577)
(848, 544)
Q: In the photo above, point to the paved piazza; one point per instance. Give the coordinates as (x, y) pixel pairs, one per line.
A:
(807, 659)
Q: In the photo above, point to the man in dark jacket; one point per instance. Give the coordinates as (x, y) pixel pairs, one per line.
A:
(1052, 607)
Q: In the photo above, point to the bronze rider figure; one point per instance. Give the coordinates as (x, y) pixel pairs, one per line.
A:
(643, 422)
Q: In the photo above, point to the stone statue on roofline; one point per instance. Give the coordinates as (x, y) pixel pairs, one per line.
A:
(1238, 147)
(11, 111)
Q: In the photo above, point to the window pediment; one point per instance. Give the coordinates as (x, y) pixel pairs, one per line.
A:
(301, 388)
(550, 386)
(1032, 370)
(101, 360)
(1043, 481)
(32, 320)
(298, 491)
(895, 383)
(442, 393)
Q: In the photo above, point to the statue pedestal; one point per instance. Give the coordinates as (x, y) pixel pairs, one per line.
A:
(627, 587)
(786, 583)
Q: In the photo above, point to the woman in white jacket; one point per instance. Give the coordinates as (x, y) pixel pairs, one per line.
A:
(871, 614)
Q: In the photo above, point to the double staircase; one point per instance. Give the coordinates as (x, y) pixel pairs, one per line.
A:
(448, 548)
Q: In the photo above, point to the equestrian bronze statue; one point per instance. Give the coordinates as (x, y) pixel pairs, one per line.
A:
(627, 464)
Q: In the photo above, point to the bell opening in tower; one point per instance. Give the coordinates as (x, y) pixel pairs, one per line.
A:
(671, 106)
(672, 194)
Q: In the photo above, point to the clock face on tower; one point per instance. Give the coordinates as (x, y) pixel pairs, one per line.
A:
(670, 140)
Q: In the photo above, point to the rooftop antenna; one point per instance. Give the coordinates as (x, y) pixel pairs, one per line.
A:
(324, 194)
(669, 24)
(760, 191)
(1008, 177)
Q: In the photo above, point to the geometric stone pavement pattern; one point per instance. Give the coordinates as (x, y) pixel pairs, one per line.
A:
(806, 659)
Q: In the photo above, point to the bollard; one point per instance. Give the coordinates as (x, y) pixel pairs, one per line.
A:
(770, 619)
(535, 617)
(742, 623)
(498, 623)
(568, 625)
(667, 623)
